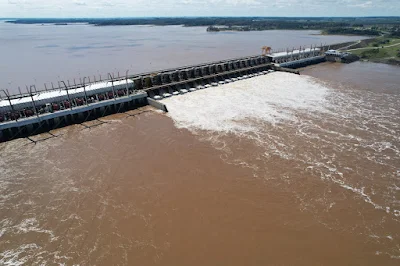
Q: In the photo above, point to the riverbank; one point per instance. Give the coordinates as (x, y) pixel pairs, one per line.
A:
(379, 50)
(343, 26)
(324, 31)
(101, 50)
(289, 176)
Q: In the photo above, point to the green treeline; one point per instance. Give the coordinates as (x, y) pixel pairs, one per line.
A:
(351, 31)
(355, 26)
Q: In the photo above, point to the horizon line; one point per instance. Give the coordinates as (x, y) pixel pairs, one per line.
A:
(372, 16)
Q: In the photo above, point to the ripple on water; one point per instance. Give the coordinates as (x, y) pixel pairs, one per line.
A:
(346, 138)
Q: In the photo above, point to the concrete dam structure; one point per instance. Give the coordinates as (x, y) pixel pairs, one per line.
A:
(36, 111)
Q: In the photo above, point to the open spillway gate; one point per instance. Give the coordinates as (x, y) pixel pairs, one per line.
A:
(40, 111)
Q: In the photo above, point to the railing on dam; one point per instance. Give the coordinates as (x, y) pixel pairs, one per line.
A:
(36, 102)
(111, 77)
(209, 77)
(303, 62)
(41, 103)
(228, 64)
(62, 104)
(94, 98)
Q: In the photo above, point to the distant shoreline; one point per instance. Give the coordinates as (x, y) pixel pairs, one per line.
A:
(383, 49)
(384, 27)
(360, 26)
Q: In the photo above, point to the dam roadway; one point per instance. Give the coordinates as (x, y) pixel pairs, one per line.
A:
(40, 111)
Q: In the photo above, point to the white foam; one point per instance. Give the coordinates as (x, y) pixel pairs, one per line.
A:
(278, 111)
(32, 225)
(18, 256)
(226, 108)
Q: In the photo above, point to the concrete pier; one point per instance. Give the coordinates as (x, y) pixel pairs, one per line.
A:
(204, 77)
(43, 122)
(23, 115)
(337, 56)
(303, 62)
(157, 104)
(298, 58)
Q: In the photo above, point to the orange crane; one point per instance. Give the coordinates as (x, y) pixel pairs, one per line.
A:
(266, 50)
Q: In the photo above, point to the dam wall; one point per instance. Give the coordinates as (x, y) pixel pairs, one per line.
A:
(39, 123)
(298, 58)
(175, 81)
(157, 104)
(189, 76)
(303, 62)
(42, 110)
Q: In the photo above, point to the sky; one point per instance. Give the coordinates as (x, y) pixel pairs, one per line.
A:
(165, 8)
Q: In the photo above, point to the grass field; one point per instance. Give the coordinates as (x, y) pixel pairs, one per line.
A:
(384, 49)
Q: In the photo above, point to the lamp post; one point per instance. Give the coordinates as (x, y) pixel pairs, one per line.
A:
(33, 102)
(66, 89)
(112, 84)
(8, 98)
(9, 85)
(127, 88)
(84, 90)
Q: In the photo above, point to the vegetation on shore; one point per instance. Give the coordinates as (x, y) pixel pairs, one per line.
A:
(351, 31)
(371, 26)
(384, 49)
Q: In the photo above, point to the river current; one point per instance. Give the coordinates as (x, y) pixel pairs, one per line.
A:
(279, 169)
(45, 54)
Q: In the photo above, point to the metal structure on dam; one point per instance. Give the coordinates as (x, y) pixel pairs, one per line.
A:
(36, 111)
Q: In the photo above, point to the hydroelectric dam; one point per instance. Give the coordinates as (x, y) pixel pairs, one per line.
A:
(37, 111)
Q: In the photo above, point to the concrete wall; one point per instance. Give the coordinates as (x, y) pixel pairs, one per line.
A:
(303, 62)
(157, 104)
(163, 77)
(45, 122)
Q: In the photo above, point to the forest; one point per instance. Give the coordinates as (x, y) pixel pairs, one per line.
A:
(371, 26)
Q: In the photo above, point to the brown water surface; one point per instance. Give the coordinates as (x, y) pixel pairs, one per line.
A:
(38, 54)
(153, 189)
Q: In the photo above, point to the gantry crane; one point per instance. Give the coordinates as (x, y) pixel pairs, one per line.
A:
(266, 50)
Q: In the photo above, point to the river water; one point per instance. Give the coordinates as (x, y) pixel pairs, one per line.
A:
(38, 54)
(279, 169)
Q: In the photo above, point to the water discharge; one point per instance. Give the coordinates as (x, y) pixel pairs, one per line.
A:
(279, 169)
(233, 107)
(297, 133)
(115, 49)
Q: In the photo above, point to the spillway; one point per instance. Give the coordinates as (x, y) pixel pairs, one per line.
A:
(37, 111)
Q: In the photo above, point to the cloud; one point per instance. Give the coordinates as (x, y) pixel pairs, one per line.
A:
(79, 3)
(367, 4)
(107, 3)
(132, 8)
(19, 2)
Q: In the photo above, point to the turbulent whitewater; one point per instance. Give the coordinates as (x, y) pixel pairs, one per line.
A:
(296, 170)
(228, 108)
(292, 129)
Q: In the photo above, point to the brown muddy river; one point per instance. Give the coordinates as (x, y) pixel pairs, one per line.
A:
(45, 54)
(279, 169)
